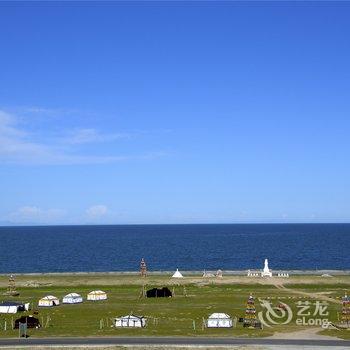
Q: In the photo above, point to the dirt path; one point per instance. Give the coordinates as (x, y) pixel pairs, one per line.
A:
(319, 296)
(103, 279)
(308, 333)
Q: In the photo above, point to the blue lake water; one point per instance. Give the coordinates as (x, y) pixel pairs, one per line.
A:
(165, 247)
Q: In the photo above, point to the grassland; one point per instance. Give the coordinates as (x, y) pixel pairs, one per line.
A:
(195, 298)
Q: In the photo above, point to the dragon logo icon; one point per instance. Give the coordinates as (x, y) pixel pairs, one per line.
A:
(273, 315)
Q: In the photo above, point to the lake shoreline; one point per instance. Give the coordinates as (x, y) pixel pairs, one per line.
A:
(184, 272)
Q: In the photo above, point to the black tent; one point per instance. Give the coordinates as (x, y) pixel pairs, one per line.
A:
(159, 293)
(31, 321)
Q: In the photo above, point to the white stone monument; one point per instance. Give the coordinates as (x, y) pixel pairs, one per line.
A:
(266, 271)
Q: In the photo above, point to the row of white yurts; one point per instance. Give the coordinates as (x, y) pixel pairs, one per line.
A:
(72, 298)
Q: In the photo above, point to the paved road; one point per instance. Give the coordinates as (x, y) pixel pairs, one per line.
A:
(171, 341)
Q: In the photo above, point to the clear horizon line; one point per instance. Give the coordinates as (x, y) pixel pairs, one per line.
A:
(181, 224)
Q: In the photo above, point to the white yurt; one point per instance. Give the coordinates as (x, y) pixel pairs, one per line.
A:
(219, 320)
(49, 301)
(72, 298)
(12, 307)
(177, 274)
(130, 321)
(97, 295)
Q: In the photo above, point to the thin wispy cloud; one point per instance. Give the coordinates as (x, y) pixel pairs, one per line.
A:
(33, 214)
(37, 111)
(8, 127)
(97, 211)
(81, 136)
(14, 144)
(19, 146)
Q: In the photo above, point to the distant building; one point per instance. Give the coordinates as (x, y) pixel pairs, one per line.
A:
(219, 320)
(177, 274)
(72, 298)
(48, 301)
(97, 295)
(12, 307)
(266, 271)
(130, 321)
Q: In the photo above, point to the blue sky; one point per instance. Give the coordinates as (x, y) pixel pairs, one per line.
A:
(166, 112)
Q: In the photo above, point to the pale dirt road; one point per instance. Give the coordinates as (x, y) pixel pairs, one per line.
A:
(115, 279)
(318, 296)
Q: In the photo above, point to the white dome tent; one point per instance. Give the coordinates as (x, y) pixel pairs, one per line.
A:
(130, 321)
(12, 307)
(72, 298)
(48, 301)
(96, 295)
(219, 320)
(177, 274)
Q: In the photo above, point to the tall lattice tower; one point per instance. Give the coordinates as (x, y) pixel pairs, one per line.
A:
(250, 313)
(143, 268)
(345, 310)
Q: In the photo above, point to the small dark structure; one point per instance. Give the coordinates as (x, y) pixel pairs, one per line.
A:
(345, 310)
(31, 322)
(143, 268)
(159, 293)
(11, 288)
(250, 318)
(256, 324)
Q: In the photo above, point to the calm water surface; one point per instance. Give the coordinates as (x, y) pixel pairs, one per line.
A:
(165, 247)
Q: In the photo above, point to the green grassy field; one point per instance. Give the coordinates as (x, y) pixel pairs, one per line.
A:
(167, 316)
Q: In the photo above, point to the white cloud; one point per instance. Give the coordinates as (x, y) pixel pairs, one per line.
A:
(17, 146)
(7, 126)
(40, 110)
(33, 214)
(37, 111)
(97, 211)
(13, 141)
(81, 136)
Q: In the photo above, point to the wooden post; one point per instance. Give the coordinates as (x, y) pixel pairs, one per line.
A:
(194, 324)
(47, 321)
(142, 292)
